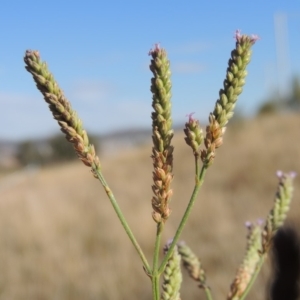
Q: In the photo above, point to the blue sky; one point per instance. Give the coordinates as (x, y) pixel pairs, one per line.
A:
(98, 52)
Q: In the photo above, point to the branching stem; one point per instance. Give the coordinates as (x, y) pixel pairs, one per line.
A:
(187, 212)
(123, 221)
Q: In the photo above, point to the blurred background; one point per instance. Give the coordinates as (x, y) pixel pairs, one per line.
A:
(59, 236)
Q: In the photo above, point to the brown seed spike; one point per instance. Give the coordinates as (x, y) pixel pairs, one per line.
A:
(61, 109)
(162, 133)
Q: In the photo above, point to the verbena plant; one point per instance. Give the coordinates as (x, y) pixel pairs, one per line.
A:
(260, 234)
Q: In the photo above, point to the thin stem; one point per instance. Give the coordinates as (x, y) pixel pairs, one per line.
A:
(155, 287)
(208, 293)
(123, 221)
(157, 246)
(155, 275)
(197, 165)
(254, 276)
(187, 212)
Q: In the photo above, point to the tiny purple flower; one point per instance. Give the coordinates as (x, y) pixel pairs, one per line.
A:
(248, 224)
(279, 174)
(190, 116)
(260, 222)
(237, 35)
(155, 49)
(254, 38)
(292, 174)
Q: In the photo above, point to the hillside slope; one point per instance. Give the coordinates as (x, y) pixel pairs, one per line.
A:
(60, 239)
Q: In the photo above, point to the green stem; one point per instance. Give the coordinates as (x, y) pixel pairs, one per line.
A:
(123, 221)
(197, 165)
(155, 287)
(155, 275)
(254, 276)
(208, 293)
(187, 212)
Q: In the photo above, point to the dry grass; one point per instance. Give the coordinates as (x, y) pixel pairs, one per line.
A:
(59, 237)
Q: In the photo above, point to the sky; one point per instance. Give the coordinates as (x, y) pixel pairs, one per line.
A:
(98, 52)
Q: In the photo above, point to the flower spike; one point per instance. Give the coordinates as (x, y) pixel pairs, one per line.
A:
(162, 133)
(67, 118)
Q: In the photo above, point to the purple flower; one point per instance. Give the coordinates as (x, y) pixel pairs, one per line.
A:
(155, 50)
(279, 174)
(260, 222)
(248, 224)
(190, 116)
(292, 174)
(237, 35)
(254, 38)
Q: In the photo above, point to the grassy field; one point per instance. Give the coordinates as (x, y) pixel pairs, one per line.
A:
(60, 239)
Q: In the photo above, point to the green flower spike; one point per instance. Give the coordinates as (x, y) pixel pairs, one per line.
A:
(281, 206)
(194, 134)
(172, 276)
(162, 134)
(192, 264)
(260, 238)
(232, 88)
(251, 260)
